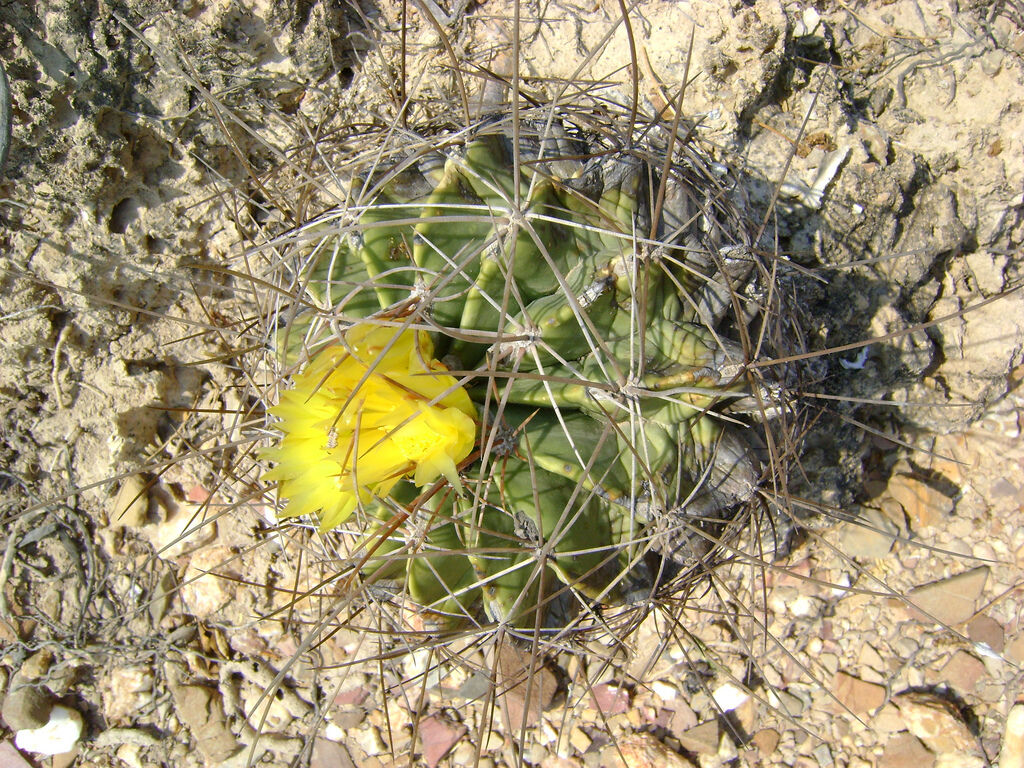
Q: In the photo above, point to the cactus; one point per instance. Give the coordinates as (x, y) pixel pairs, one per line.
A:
(553, 312)
(557, 325)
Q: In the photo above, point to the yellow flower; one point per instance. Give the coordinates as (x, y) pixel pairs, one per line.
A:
(363, 415)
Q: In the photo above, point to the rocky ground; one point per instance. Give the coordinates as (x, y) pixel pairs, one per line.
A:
(139, 584)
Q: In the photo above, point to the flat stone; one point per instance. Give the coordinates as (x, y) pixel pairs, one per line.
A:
(925, 506)
(665, 691)
(536, 753)
(905, 750)
(201, 711)
(475, 687)
(985, 629)
(887, 720)
(683, 717)
(856, 695)
(369, 740)
(579, 739)
(37, 665)
(823, 756)
(527, 686)
(789, 705)
(197, 494)
(870, 658)
(745, 715)
(963, 671)
(937, 723)
(66, 759)
(659, 718)
(1015, 649)
(766, 740)
(347, 719)
(871, 537)
(610, 699)
(950, 601)
(438, 735)
(330, 754)
(702, 739)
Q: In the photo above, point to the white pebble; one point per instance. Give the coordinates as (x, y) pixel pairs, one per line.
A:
(333, 732)
(730, 697)
(804, 606)
(841, 588)
(58, 736)
(664, 691)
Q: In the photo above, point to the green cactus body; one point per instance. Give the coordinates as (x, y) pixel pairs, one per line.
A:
(595, 381)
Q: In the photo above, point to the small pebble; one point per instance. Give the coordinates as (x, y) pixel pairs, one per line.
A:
(59, 735)
(664, 691)
(729, 696)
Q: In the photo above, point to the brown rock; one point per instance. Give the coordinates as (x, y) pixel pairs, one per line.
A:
(330, 754)
(963, 671)
(438, 735)
(949, 601)
(985, 629)
(746, 715)
(1015, 649)
(27, 707)
(37, 665)
(66, 759)
(871, 659)
(527, 686)
(937, 723)
(348, 719)
(200, 710)
(887, 720)
(683, 717)
(905, 750)
(869, 538)
(702, 739)
(925, 506)
(610, 699)
(856, 695)
(579, 739)
(766, 740)
(352, 697)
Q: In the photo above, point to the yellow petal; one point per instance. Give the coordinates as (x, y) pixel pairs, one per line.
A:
(361, 416)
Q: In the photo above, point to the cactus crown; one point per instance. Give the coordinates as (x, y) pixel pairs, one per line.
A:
(556, 302)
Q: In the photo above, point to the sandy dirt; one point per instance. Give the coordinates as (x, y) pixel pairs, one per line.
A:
(142, 584)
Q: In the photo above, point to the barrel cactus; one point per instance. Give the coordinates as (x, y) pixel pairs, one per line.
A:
(512, 378)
